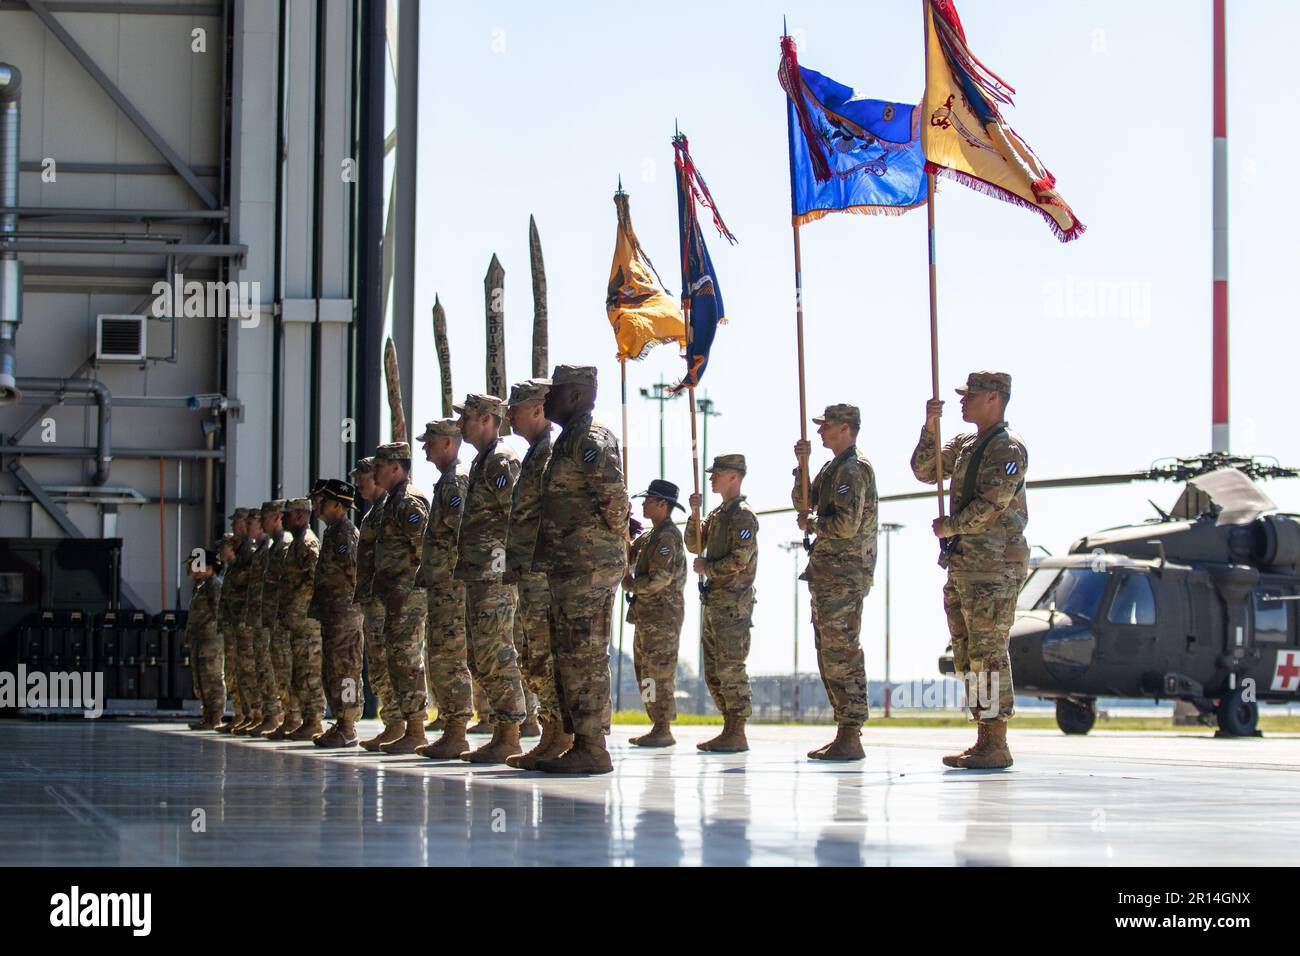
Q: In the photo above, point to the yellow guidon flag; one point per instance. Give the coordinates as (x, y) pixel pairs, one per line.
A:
(642, 313)
(964, 135)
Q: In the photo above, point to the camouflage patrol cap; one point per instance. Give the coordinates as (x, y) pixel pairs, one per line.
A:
(297, 504)
(475, 403)
(574, 375)
(440, 428)
(529, 390)
(393, 451)
(848, 414)
(987, 382)
(239, 514)
(363, 467)
(728, 463)
(336, 489)
(269, 506)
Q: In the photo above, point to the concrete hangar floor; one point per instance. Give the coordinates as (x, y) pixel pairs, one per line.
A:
(80, 792)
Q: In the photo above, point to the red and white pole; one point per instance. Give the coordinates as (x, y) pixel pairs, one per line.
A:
(1219, 360)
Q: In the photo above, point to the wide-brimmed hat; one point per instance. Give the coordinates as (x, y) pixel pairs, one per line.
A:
(662, 489)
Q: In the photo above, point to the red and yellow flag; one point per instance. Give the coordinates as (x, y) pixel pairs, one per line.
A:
(642, 313)
(964, 135)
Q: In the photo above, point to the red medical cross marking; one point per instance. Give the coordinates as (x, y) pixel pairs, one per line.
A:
(1288, 670)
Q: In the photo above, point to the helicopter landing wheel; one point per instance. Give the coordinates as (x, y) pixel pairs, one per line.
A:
(1237, 716)
(1076, 716)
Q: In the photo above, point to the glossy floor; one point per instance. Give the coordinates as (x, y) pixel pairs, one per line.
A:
(107, 792)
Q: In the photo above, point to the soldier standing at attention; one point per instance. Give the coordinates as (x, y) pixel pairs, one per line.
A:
(237, 596)
(205, 641)
(276, 636)
(228, 551)
(481, 564)
(298, 583)
(272, 712)
(582, 547)
(372, 609)
(341, 638)
(656, 607)
(527, 412)
(446, 648)
(840, 570)
(397, 561)
(727, 549)
(984, 551)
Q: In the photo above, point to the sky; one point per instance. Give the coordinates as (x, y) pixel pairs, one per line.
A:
(539, 109)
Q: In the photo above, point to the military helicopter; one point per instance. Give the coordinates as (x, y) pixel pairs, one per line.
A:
(1193, 605)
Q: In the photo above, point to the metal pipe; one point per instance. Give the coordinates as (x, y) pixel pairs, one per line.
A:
(88, 214)
(103, 453)
(209, 438)
(11, 270)
(82, 451)
(129, 248)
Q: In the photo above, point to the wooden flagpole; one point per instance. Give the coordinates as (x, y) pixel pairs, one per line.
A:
(934, 286)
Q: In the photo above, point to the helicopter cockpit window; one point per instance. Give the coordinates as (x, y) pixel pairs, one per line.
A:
(1134, 603)
(1074, 591)
(1270, 618)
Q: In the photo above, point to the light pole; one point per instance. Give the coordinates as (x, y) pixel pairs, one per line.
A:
(794, 547)
(888, 527)
(661, 393)
(706, 408)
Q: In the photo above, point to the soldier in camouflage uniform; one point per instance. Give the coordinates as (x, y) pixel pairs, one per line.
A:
(985, 552)
(277, 637)
(656, 608)
(532, 627)
(250, 598)
(235, 592)
(204, 639)
(397, 562)
(841, 513)
(445, 641)
(227, 549)
(582, 546)
(481, 563)
(258, 626)
(727, 549)
(372, 609)
(297, 583)
(340, 619)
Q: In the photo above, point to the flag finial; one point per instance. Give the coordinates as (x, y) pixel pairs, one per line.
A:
(785, 26)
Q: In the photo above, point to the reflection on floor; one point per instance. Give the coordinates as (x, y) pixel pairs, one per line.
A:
(102, 792)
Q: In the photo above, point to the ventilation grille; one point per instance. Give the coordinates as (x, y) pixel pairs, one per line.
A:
(120, 338)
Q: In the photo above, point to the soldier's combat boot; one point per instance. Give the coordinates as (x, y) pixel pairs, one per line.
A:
(208, 721)
(309, 728)
(230, 723)
(450, 745)
(250, 722)
(409, 741)
(392, 731)
(730, 741)
(955, 760)
(292, 721)
(504, 744)
(530, 727)
(267, 726)
(587, 755)
(436, 725)
(342, 734)
(660, 735)
(553, 743)
(484, 726)
(847, 745)
(994, 754)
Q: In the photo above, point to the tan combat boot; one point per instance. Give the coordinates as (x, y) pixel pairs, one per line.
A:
(660, 735)
(955, 760)
(484, 726)
(730, 741)
(994, 755)
(450, 745)
(292, 721)
(250, 722)
(207, 721)
(530, 727)
(342, 734)
(229, 724)
(308, 729)
(504, 744)
(392, 731)
(847, 745)
(267, 726)
(587, 755)
(409, 741)
(436, 725)
(553, 743)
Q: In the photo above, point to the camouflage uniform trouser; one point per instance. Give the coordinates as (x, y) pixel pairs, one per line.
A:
(250, 687)
(265, 671)
(377, 661)
(342, 644)
(305, 641)
(654, 655)
(727, 619)
(206, 652)
(533, 643)
(981, 607)
(230, 666)
(282, 665)
(580, 623)
(403, 636)
(837, 626)
(446, 646)
(490, 619)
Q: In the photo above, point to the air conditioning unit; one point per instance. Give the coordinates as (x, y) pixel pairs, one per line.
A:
(120, 338)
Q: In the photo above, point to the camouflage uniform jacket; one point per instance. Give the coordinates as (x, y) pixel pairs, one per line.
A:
(845, 504)
(204, 604)
(297, 579)
(526, 505)
(397, 550)
(486, 522)
(235, 590)
(336, 572)
(439, 552)
(658, 576)
(730, 546)
(369, 534)
(281, 541)
(583, 529)
(991, 526)
(256, 578)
